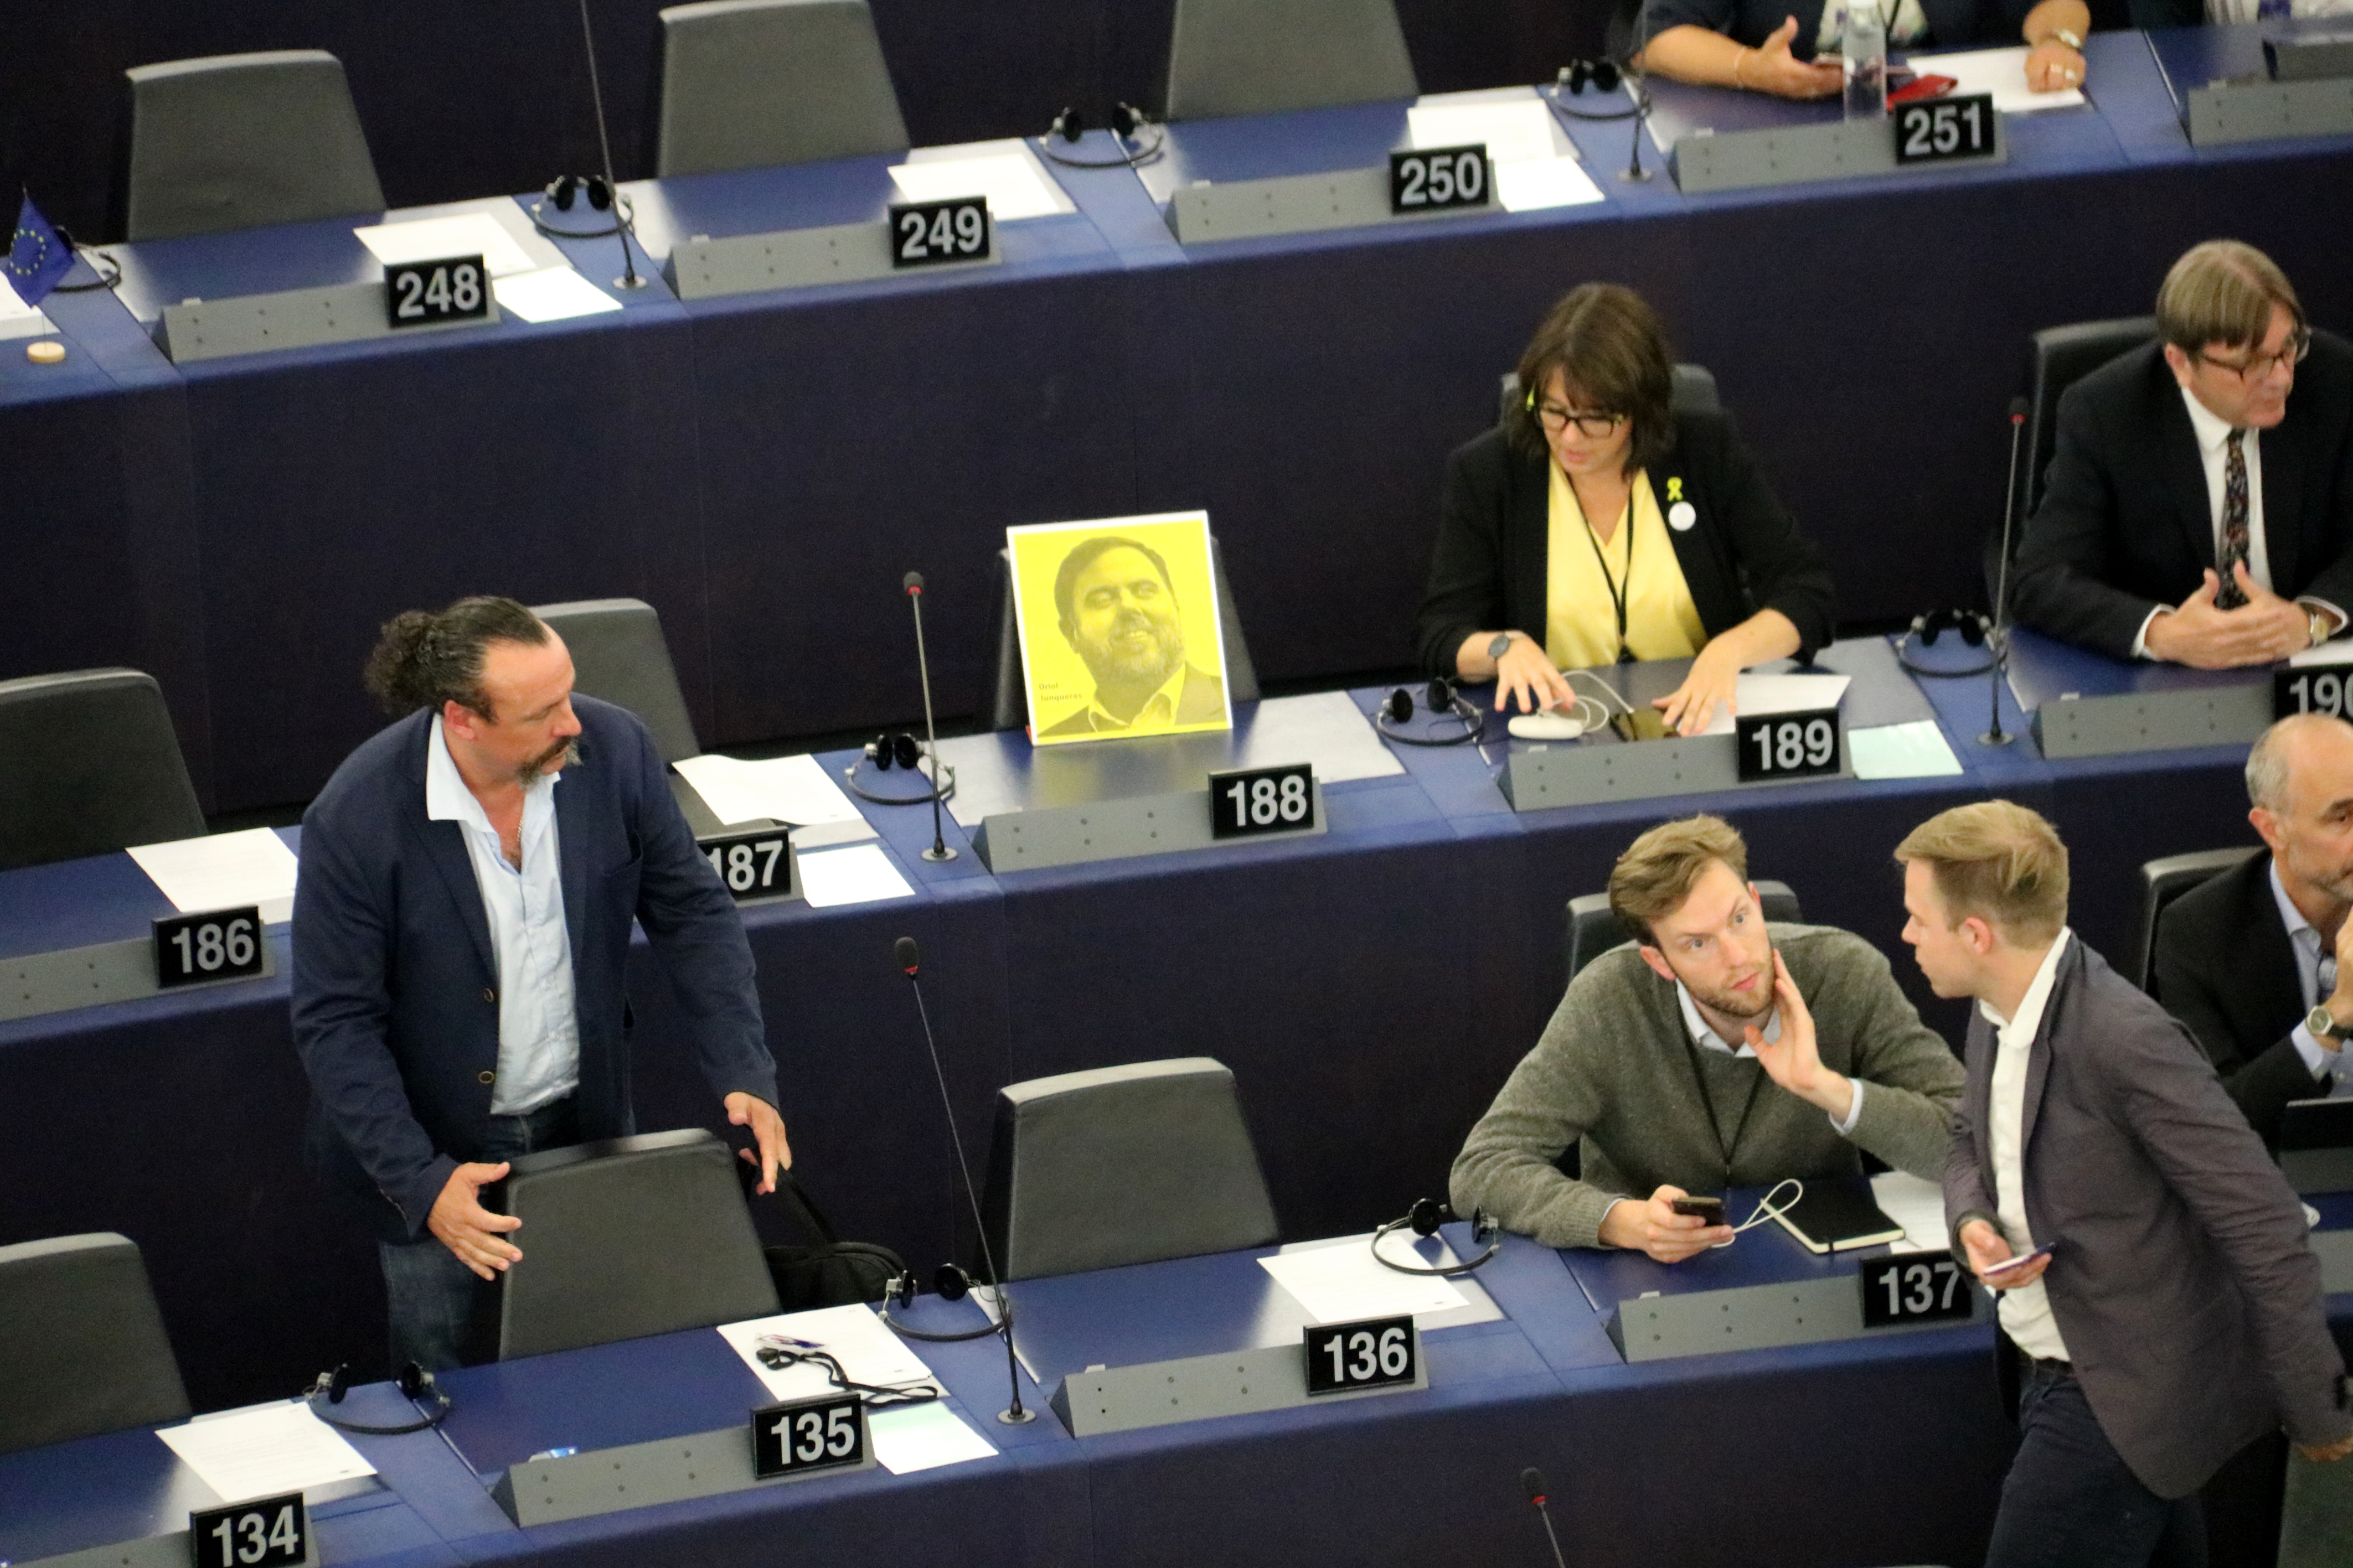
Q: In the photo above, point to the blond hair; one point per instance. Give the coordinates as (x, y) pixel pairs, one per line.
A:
(1998, 862)
(1658, 869)
(2222, 291)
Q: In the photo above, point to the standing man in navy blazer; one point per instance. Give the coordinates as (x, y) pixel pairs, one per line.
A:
(460, 926)
(2194, 511)
(2176, 1317)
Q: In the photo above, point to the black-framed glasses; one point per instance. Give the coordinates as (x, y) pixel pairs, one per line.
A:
(2291, 354)
(1592, 426)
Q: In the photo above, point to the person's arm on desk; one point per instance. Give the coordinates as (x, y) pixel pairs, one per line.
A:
(1524, 676)
(1692, 53)
(2055, 36)
(2264, 630)
(1714, 678)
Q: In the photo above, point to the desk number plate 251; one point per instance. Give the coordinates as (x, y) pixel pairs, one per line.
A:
(1934, 129)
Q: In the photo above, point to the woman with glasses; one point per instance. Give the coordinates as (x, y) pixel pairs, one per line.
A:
(1598, 525)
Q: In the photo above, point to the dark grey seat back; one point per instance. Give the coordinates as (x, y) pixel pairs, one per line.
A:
(2056, 359)
(630, 1237)
(1594, 928)
(1262, 57)
(619, 655)
(89, 763)
(82, 1349)
(749, 83)
(2161, 882)
(238, 140)
(1693, 392)
(1120, 1165)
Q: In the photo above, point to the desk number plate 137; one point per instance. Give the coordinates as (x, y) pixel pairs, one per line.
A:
(1933, 130)
(1775, 746)
(1375, 1352)
(804, 1435)
(754, 865)
(1915, 1288)
(420, 293)
(928, 234)
(1431, 179)
(1248, 801)
(268, 1532)
(216, 945)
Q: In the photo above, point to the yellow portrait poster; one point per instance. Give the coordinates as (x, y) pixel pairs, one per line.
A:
(1119, 628)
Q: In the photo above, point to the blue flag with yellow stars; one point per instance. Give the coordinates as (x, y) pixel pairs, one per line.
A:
(37, 259)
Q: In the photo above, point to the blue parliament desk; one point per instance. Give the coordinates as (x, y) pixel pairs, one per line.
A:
(764, 467)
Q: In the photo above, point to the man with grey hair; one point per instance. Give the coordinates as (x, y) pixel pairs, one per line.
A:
(2259, 960)
(2192, 511)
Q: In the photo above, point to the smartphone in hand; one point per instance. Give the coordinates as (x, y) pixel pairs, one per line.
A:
(1707, 1210)
(2011, 1265)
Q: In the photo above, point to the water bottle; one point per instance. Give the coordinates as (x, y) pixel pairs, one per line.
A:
(1864, 42)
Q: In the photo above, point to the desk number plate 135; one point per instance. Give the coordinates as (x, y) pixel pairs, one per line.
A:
(930, 234)
(1933, 130)
(420, 293)
(754, 865)
(1431, 179)
(1775, 746)
(1248, 801)
(1915, 1288)
(804, 1435)
(1375, 1352)
(267, 1532)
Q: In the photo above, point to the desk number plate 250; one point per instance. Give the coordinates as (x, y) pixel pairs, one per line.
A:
(1432, 179)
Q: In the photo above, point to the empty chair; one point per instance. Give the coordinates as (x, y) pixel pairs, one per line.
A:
(89, 763)
(1119, 1165)
(746, 83)
(627, 1237)
(1261, 56)
(2057, 358)
(238, 140)
(2161, 882)
(1594, 928)
(619, 655)
(82, 1349)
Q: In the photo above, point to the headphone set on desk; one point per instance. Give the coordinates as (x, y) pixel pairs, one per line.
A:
(1128, 125)
(1424, 1218)
(1975, 627)
(415, 1384)
(1603, 76)
(949, 1283)
(1439, 698)
(898, 749)
(564, 190)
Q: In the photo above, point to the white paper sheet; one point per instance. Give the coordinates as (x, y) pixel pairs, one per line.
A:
(1008, 180)
(1544, 183)
(1781, 694)
(224, 870)
(923, 1437)
(12, 304)
(433, 238)
(550, 294)
(1340, 1284)
(795, 790)
(1916, 1204)
(868, 1350)
(858, 875)
(2002, 72)
(276, 1449)
(2338, 652)
(1512, 132)
(1914, 750)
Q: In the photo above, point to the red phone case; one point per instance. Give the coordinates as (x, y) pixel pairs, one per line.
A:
(1920, 87)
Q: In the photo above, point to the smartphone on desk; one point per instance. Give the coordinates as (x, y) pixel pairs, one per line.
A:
(1927, 84)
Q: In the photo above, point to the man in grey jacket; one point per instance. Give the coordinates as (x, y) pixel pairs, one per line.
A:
(2153, 1263)
(1717, 1052)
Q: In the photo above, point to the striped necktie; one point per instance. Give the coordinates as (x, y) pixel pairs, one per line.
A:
(2234, 524)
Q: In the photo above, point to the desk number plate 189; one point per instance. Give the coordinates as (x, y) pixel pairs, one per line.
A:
(1431, 179)
(1375, 1352)
(1915, 1288)
(267, 1532)
(1934, 129)
(216, 945)
(927, 233)
(754, 865)
(419, 293)
(804, 1435)
(1775, 746)
(2325, 688)
(1261, 800)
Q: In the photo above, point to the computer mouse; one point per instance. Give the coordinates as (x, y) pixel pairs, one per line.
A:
(1545, 726)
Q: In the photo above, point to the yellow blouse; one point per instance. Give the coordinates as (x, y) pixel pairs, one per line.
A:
(1581, 610)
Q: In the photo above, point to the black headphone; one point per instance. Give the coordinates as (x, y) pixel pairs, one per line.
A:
(1439, 698)
(566, 189)
(1425, 1216)
(1975, 627)
(1127, 125)
(1577, 75)
(1604, 76)
(949, 1283)
(891, 747)
(415, 1384)
(900, 750)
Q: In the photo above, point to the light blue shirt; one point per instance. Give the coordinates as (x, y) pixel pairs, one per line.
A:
(2303, 941)
(539, 1027)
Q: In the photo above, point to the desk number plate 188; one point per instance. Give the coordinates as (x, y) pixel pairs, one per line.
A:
(1934, 129)
(419, 293)
(1431, 179)
(928, 234)
(268, 1532)
(804, 1435)
(2324, 689)
(1775, 746)
(754, 865)
(1247, 801)
(216, 945)
(1374, 1352)
(1915, 1288)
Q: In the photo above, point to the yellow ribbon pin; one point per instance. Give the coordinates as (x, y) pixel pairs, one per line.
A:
(1674, 490)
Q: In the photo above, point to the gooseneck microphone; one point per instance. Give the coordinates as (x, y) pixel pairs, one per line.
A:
(629, 277)
(913, 583)
(910, 958)
(2019, 407)
(1532, 1482)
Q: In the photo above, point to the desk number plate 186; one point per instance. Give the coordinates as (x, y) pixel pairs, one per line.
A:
(754, 865)
(1431, 179)
(929, 234)
(1915, 1288)
(1375, 1352)
(267, 1532)
(1775, 746)
(804, 1435)
(1247, 801)
(215, 944)
(419, 293)
(1933, 130)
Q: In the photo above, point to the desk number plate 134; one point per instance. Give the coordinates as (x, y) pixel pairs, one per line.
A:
(931, 234)
(1432, 179)
(420, 293)
(1248, 801)
(1374, 1352)
(1776, 746)
(1934, 129)
(267, 1532)
(804, 1435)
(1915, 1288)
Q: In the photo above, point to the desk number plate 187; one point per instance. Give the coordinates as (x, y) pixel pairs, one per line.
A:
(1915, 1288)
(1261, 800)
(754, 865)
(928, 234)
(1775, 746)
(2324, 689)
(268, 1532)
(419, 293)
(1431, 179)
(1934, 129)
(1375, 1352)
(216, 945)
(804, 1435)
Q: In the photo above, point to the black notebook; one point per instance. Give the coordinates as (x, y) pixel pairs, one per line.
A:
(1832, 1217)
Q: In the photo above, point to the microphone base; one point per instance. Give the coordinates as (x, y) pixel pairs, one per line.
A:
(1017, 1417)
(1635, 176)
(1995, 738)
(940, 852)
(634, 280)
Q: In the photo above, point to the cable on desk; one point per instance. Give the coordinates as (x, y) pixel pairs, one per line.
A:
(1768, 1209)
(775, 1353)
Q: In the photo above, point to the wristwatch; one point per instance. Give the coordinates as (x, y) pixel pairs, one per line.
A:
(2323, 1027)
(2319, 622)
(1500, 646)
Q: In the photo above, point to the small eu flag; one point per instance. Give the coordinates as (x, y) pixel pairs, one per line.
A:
(37, 259)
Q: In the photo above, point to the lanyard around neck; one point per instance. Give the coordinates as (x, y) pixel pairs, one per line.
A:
(1617, 596)
(1699, 1076)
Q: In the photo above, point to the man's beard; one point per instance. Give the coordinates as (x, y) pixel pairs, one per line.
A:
(1148, 667)
(1753, 1009)
(554, 760)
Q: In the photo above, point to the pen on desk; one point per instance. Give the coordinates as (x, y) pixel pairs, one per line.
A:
(798, 1344)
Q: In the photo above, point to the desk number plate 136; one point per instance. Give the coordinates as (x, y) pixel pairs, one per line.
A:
(267, 1532)
(1376, 1353)
(1915, 1288)
(1775, 746)
(1432, 179)
(1933, 130)
(420, 293)
(804, 1435)
(931, 234)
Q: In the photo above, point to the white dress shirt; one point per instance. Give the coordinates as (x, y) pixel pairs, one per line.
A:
(1708, 1039)
(2026, 1310)
(539, 1027)
(2303, 941)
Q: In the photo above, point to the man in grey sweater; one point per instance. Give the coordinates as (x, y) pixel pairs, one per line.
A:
(1716, 1052)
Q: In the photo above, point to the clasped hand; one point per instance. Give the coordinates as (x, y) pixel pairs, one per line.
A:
(2264, 630)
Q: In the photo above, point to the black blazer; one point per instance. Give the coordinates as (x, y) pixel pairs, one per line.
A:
(2225, 968)
(2125, 524)
(1742, 554)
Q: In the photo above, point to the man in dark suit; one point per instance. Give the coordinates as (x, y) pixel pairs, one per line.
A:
(2152, 1261)
(2194, 511)
(2259, 960)
(461, 927)
(1117, 609)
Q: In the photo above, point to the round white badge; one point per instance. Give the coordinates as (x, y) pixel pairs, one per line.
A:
(1682, 515)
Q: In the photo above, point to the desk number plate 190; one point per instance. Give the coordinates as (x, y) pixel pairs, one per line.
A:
(804, 1435)
(927, 233)
(216, 945)
(1915, 1288)
(420, 293)
(1261, 800)
(1934, 129)
(1775, 746)
(1431, 179)
(754, 865)
(1374, 1352)
(2325, 690)
(267, 1532)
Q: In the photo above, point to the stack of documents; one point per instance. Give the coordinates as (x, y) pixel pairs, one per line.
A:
(906, 1438)
(1006, 173)
(269, 1450)
(1535, 166)
(791, 790)
(2002, 72)
(223, 871)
